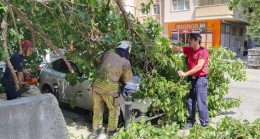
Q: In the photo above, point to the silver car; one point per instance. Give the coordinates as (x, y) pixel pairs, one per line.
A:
(55, 72)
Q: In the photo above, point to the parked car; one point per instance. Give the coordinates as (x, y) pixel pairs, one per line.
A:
(55, 72)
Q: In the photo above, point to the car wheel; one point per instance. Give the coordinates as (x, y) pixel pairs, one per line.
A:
(47, 89)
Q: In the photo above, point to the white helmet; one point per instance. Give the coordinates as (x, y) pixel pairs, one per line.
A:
(125, 45)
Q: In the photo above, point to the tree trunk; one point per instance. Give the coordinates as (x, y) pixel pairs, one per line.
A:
(16, 29)
(4, 41)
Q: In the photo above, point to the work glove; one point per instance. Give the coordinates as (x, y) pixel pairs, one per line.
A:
(25, 87)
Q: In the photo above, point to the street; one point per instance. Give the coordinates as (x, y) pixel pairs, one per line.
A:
(249, 92)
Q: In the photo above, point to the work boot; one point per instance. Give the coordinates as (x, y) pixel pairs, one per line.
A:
(96, 133)
(110, 133)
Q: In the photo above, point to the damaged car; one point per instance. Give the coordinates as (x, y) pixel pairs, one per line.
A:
(52, 80)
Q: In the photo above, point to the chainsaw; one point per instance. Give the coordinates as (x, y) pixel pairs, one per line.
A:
(29, 79)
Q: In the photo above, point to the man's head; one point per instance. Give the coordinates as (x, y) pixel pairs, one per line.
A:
(195, 39)
(27, 48)
(125, 45)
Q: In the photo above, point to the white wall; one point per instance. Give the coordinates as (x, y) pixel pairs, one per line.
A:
(182, 15)
(237, 15)
(128, 4)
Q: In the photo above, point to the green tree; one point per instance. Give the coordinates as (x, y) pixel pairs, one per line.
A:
(91, 27)
(250, 10)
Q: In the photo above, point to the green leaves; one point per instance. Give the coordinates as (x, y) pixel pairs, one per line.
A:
(2, 10)
(91, 28)
(146, 131)
(250, 11)
(226, 128)
(222, 69)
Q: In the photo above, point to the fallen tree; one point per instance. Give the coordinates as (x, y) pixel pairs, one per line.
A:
(88, 28)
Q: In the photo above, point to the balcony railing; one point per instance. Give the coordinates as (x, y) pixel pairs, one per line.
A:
(212, 2)
(213, 11)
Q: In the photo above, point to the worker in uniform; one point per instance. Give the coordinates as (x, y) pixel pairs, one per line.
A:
(16, 60)
(114, 68)
(197, 73)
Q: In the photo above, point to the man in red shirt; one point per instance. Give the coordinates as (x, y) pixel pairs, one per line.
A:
(198, 76)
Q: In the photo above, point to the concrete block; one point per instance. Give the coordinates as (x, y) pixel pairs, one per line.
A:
(33, 117)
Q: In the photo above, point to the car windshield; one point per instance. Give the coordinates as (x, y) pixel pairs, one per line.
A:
(60, 66)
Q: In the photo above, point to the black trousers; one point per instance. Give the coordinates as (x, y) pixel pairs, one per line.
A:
(10, 90)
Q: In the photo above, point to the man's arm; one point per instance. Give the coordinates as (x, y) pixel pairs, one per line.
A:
(26, 72)
(197, 68)
(20, 77)
(176, 49)
(127, 72)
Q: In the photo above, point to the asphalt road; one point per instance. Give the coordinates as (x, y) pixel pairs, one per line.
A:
(249, 93)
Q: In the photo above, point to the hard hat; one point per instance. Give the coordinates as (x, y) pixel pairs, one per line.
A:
(26, 43)
(124, 45)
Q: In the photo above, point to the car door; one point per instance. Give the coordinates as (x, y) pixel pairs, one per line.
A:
(82, 91)
(84, 95)
(59, 70)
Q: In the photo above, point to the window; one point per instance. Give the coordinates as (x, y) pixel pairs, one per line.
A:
(180, 5)
(225, 35)
(174, 37)
(182, 38)
(156, 9)
(234, 30)
(56, 65)
(241, 32)
(60, 66)
(212, 2)
(143, 13)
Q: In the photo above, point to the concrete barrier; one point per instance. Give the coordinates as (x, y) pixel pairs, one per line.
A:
(34, 117)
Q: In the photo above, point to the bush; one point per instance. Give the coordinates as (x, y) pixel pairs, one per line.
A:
(226, 128)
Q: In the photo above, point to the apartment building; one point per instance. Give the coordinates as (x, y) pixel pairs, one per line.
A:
(217, 25)
(156, 11)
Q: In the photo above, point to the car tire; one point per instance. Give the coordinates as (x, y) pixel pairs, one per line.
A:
(47, 89)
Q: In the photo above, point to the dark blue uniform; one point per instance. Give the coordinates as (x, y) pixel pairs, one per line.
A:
(198, 94)
(7, 79)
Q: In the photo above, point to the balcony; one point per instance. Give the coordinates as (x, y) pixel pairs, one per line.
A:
(213, 12)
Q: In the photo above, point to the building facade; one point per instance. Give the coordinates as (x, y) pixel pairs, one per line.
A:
(217, 25)
(156, 11)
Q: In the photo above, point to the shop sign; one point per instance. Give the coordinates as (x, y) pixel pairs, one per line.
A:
(190, 26)
(184, 31)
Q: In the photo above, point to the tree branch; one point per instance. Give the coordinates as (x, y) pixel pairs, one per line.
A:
(130, 28)
(30, 26)
(4, 41)
(129, 25)
(16, 29)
